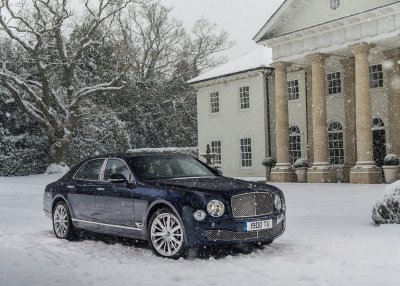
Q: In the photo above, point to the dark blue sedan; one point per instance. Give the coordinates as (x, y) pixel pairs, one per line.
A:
(174, 201)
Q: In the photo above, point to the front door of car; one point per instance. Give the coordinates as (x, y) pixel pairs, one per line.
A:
(82, 191)
(114, 199)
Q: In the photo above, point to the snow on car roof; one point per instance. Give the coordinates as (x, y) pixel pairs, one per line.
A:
(260, 58)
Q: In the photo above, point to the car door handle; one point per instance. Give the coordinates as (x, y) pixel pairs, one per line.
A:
(100, 189)
(70, 187)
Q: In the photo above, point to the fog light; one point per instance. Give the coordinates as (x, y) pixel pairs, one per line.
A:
(278, 203)
(199, 215)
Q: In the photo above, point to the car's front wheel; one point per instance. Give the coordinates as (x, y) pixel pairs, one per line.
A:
(166, 235)
(62, 224)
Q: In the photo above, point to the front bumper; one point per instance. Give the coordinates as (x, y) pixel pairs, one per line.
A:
(231, 231)
(240, 236)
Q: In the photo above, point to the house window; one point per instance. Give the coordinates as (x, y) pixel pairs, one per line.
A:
(214, 97)
(245, 150)
(334, 4)
(216, 149)
(244, 97)
(376, 76)
(336, 146)
(293, 89)
(294, 143)
(334, 83)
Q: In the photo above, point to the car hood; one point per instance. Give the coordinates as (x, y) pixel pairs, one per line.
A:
(221, 185)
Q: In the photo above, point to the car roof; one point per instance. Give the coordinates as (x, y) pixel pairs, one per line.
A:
(136, 154)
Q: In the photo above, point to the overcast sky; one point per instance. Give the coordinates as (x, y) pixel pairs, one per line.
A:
(242, 19)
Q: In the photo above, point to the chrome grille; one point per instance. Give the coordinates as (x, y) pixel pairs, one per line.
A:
(252, 204)
(232, 236)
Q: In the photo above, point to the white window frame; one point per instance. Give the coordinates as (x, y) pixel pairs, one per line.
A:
(378, 82)
(244, 93)
(334, 83)
(246, 156)
(215, 107)
(336, 160)
(294, 152)
(215, 149)
(293, 89)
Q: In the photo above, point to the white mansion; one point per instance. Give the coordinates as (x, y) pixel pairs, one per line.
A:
(330, 93)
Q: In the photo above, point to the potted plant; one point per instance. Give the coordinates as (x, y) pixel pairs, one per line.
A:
(301, 165)
(269, 163)
(391, 168)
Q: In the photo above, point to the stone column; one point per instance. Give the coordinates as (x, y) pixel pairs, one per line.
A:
(310, 149)
(393, 56)
(365, 171)
(320, 172)
(350, 143)
(283, 171)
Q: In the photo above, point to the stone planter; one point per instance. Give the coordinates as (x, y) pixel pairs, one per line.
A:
(268, 174)
(302, 174)
(392, 173)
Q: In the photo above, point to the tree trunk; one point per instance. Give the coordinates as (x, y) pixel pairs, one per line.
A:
(59, 151)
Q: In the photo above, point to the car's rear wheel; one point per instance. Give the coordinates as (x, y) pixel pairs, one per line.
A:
(166, 235)
(62, 224)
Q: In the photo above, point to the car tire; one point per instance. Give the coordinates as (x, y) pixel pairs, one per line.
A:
(62, 223)
(244, 248)
(166, 235)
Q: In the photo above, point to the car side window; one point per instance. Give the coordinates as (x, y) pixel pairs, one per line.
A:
(90, 171)
(117, 167)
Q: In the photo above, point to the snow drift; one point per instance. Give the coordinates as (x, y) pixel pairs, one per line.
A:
(57, 169)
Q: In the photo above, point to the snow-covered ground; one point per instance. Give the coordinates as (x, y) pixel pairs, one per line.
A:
(330, 240)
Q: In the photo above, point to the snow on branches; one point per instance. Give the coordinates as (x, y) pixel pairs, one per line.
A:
(50, 87)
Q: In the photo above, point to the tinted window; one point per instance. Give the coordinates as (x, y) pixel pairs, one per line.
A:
(116, 167)
(168, 167)
(90, 171)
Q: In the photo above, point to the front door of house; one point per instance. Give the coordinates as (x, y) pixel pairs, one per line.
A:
(379, 146)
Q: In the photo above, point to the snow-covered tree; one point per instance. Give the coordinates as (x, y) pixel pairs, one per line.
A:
(22, 145)
(153, 43)
(106, 78)
(51, 88)
(161, 56)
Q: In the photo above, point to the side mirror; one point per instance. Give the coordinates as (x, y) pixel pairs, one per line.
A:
(219, 172)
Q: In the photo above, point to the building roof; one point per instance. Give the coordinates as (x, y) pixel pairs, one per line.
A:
(280, 18)
(260, 58)
(272, 20)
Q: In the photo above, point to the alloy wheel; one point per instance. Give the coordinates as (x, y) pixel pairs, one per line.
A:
(167, 234)
(61, 221)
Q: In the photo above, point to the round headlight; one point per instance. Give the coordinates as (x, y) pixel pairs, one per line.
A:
(199, 215)
(278, 203)
(215, 208)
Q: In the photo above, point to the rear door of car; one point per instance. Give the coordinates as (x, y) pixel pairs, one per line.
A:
(82, 192)
(115, 200)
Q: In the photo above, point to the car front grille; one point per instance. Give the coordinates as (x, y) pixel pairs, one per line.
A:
(252, 204)
(226, 235)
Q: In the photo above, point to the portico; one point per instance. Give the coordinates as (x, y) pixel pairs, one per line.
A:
(341, 49)
(329, 94)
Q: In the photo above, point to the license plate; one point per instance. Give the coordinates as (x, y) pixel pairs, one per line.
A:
(258, 225)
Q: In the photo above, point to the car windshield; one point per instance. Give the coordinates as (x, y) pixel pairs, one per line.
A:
(168, 167)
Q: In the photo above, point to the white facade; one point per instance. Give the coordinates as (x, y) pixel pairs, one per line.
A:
(232, 123)
(301, 29)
